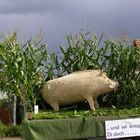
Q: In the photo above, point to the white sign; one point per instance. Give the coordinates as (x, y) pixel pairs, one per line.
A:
(36, 109)
(122, 128)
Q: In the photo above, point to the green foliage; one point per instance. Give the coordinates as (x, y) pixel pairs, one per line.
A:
(9, 130)
(21, 70)
(118, 59)
(25, 67)
(82, 53)
(4, 103)
(87, 113)
(122, 61)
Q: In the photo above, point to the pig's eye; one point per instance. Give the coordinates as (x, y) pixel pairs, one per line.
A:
(109, 81)
(111, 86)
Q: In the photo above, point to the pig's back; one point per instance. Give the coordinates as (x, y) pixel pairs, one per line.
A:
(73, 87)
(75, 80)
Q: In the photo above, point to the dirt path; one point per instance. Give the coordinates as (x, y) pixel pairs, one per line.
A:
(13, 138)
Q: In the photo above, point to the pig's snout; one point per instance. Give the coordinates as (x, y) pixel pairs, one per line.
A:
(114, 85)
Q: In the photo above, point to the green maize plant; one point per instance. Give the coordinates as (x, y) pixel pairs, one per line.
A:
(122, 60)
(51, 67)
(118, 59)
(25, 68)
(21, 70)
(82, 53)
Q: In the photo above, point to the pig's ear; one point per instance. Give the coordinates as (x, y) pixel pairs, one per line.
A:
(101, 73)
(105, 73)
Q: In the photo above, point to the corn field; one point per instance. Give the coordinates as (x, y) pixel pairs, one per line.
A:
(25, 67)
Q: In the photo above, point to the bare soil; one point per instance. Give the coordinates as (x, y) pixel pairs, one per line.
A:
(9, 138)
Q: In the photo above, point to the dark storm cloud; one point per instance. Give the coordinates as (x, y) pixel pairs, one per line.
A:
(35, 6)
(22, 7)
(60, 17)
(64, 6)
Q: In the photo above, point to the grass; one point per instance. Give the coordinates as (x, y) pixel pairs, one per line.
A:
(103, 112)
(9, 130)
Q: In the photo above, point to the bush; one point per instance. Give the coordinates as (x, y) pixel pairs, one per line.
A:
(9, 130)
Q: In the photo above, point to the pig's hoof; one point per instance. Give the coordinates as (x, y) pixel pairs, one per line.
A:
(93, 108)
(55, 107)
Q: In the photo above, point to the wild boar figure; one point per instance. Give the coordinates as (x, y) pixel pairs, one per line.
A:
(76, 87)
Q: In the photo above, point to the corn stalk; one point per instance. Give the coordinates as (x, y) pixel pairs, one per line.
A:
(21, 70)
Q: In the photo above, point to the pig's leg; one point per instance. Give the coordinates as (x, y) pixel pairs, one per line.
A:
(96, 103)
(55, 106)
(91, 102)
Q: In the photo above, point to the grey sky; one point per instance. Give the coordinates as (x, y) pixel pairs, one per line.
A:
(60, 17)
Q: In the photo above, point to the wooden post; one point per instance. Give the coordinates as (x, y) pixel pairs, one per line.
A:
(136, 44)
(14, 109)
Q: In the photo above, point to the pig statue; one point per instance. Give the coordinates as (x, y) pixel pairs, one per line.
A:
(76, 87)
